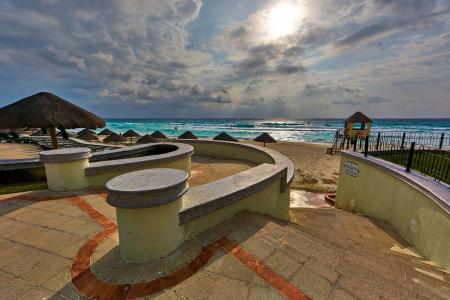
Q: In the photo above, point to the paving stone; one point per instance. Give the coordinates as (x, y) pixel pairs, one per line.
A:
(322, 269)
(61, 243)
(282, 264)
(12, 288)
(309, 248)
(227, 288)
(293, 253)
(10, 229)
(258, 247)
(15, 252)
(357, 289)
(261, 293)
(239, 235)
(38, 293)
(230, 266)
(37, 266)
(374, 281)
(198, 286)
(339, 294)
(312, 284)
(58, 282)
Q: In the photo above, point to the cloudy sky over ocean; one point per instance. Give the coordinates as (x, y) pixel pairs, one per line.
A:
(186, 58)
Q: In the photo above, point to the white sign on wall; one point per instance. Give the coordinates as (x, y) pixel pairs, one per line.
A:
(351, 168)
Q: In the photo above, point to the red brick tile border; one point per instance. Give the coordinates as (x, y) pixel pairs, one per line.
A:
(91, 286)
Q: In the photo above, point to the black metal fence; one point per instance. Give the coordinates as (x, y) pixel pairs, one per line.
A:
(428, 154)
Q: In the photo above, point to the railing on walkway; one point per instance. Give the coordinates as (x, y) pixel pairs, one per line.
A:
(428, 154)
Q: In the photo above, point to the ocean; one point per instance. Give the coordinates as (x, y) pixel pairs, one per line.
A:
(310, 130)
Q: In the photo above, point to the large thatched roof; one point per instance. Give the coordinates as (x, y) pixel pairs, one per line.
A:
(106, 132)
(114, 138)
(225, 137)
(188, 136)
(87, 136)
(45, 110)
(131, 133)
(159, 135)
(264, 138)
(358, 117)
(146, 139)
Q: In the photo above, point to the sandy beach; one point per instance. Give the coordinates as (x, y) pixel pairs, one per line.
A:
(17, 151)
(314, 169)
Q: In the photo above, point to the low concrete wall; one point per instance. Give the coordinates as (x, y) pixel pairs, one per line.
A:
(415, 205)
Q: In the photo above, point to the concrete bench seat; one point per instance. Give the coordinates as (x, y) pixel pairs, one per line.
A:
(210, 197)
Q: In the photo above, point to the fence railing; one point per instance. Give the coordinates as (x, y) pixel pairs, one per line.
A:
(427, 154)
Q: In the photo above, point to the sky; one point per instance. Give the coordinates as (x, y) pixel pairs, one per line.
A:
(246, 59)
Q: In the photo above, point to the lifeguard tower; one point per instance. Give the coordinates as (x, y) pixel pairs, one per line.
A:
(356, 127)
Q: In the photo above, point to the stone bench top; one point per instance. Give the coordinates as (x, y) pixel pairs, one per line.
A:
(64, 155)
(146, 188)
(209, 197)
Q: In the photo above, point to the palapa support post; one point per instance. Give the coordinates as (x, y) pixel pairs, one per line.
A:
(52, 131)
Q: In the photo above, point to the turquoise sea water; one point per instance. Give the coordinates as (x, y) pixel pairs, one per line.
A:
(311, 130)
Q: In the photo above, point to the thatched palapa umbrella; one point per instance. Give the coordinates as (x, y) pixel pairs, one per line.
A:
(45, 110)
(106, 132)
(188, 136)
(87, 136)
(131, 134)
(86, 130)
(265, 138)
(147, 139)
(225, 137)
(114, 138)
(159, 135)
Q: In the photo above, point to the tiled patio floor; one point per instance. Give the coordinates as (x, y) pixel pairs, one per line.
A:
(63, 246)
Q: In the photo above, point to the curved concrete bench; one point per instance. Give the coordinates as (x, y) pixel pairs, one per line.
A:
(249, 152)
(417, 206)
(70, 169)
(156, 213)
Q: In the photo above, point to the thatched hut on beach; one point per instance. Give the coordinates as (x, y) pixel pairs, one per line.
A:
(85, 130)
(114, 138)
(106, 132)
(131, 134)
(45, 110)
(265, 138)
(159, 135)
(147, 139)
(87, 136)
(223, 136)
(187, 136)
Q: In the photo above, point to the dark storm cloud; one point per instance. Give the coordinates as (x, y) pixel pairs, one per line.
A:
(265, 51)
(389, 25)
(293, 51)
(290, 69)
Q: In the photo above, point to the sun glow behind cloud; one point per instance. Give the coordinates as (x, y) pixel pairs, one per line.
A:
(283, 19)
